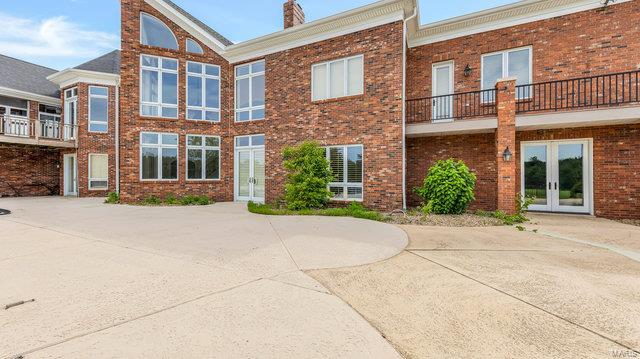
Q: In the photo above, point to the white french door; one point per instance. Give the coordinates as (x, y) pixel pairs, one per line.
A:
(558, 175)
(249, 173)
(442, 92)
(70, 177)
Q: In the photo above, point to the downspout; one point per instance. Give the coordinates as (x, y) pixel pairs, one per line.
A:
(404, 107)
(117, 136)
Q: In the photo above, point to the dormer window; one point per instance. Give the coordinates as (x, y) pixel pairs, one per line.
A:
(154, 32)
(193, 47)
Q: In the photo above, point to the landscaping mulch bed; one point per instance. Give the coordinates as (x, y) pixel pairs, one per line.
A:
(633, 222)
(462, 220)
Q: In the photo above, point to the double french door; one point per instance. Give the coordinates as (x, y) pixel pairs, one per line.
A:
(249, 168)
(558, 175)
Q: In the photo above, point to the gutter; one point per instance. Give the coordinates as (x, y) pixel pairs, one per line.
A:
(404, 107)
(117, 136)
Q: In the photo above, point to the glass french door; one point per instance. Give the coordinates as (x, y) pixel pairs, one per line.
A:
(70, 177)
(557, 174)
(250, 169)
(442, 92)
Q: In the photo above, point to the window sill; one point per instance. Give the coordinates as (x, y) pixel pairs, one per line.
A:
(159, 180)
(249, 121)
(203, 180)
(344, 200)
(155, 118)
(206, 121)
(338, 99)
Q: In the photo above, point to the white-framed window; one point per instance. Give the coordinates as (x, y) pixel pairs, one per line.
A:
(98, 109)
(337, 78)
(194, 47)
(509, 63)
(203, 92)
(250, 91)
(346, 163)
(98, 171)
(158, 86)
(154, 32)
(158, 156)
(49, 117)
(203, 157)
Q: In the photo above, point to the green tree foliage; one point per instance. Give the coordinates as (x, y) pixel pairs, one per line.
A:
(448, 187)
(308, 176)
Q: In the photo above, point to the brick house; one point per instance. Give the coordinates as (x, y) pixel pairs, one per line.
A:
(537, 97)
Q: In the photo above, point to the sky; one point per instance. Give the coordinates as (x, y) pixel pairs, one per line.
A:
(65, 33)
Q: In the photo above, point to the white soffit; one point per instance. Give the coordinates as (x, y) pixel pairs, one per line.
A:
(68, 77)
(500, 17)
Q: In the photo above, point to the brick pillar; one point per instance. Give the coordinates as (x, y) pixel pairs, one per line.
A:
(506, 137)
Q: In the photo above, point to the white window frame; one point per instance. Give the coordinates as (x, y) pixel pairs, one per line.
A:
(160, 148)
(203, 76)
(53, 127)
(505, 65)
(345, 184)
(189, 40)
(89, 110)
(203, 148)
(165, 25)
(345, 61)
(249, 76)
(91, 188)
(160, 71)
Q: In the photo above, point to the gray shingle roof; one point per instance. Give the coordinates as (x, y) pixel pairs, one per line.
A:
(204, 26)
(25, 76)
(108, 63)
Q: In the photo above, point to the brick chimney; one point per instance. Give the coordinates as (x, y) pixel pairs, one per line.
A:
(293, 14)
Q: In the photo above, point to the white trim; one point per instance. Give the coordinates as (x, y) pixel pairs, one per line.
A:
(65, 176)
(249, 76)
(89, 121)
(203, 148)
(345, 80)
(160, 146)
(69, 77)
(47, 100)
(345, 164)
(424, 129)
(203, 76)
(142, 13)
(518, 13)
(89, 179)
(160, 70)
(581, 118)
(251, 148)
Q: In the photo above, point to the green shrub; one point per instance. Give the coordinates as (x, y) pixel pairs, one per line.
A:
(448, 187)
(191, 200)
(112, 198)
(151, 201)
(354, 209)
(308, 176)
(171, 200)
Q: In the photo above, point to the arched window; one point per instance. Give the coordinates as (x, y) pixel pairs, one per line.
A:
(194, 47)
(154, 32)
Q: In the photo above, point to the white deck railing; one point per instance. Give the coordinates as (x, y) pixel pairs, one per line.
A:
(18, 126)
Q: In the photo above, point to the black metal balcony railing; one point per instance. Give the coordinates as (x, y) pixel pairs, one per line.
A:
(453, 106)
(586, 92)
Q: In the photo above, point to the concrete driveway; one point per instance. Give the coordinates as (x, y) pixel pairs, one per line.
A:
(215, 281)
(570, 290)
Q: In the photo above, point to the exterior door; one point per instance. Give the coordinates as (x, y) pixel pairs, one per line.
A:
(70, 113)
(442, 92)
(249, 170)
(70, 175)
(557, 174)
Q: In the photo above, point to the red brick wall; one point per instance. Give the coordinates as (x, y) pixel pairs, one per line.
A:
(476, 150)
(132, 123)
(616, 165)
(373, 119)
(506, 139)
(29, 171)
(576, 45)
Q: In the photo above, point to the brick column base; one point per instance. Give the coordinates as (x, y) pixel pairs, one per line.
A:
(506, 139)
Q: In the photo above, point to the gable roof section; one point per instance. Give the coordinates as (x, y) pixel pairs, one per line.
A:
(27, 78)
(107, 63)
(212, 32)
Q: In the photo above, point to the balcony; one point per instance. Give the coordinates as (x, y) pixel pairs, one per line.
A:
(594, 100)
(22, 130)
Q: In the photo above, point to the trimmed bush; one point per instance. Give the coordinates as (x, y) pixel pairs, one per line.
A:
(355, 210)
(448, 188)
(308, 176)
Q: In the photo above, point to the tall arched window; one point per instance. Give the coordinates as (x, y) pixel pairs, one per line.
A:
(154, 32)
(194, 47)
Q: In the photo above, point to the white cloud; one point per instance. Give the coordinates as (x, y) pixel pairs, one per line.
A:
(52, 37)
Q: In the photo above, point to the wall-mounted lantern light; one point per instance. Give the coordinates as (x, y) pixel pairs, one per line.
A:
(506, 155)
(467, 71)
